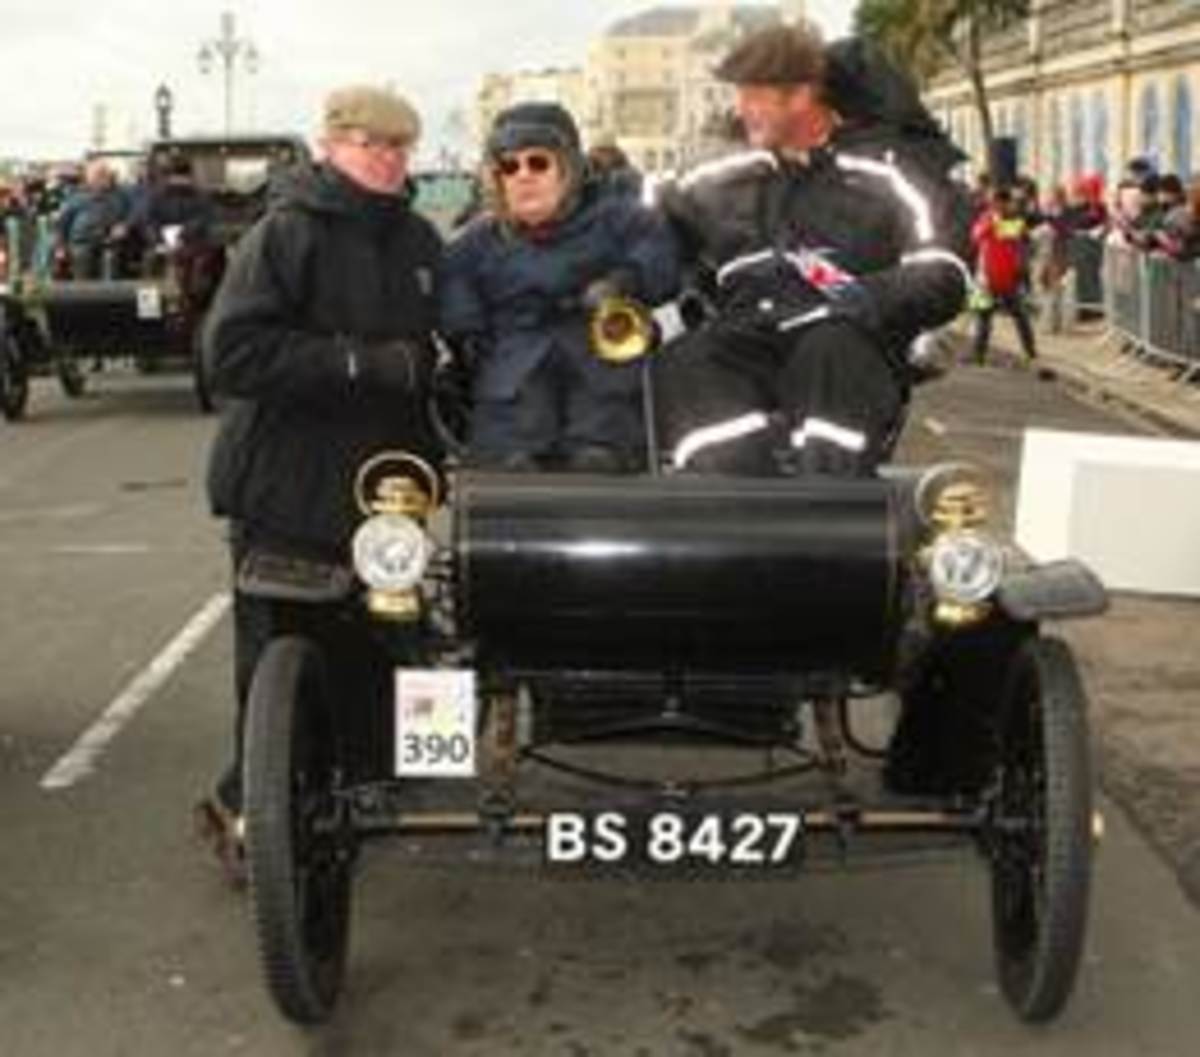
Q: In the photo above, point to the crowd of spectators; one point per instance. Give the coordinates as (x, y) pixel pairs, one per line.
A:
(1030, 245)
(64, 221)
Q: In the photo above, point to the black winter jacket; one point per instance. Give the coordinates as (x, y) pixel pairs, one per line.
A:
(329, 265)
(867, 215)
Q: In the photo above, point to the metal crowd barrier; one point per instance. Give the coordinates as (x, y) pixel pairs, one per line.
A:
(1151, 302)
(1085, 262)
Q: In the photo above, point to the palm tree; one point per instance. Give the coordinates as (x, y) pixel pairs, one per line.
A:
(924, 36)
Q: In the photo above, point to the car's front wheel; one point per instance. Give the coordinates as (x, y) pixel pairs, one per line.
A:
(1041, 838)
(300, 846)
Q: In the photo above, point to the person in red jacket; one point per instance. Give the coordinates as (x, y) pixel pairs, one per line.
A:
(1001, 236)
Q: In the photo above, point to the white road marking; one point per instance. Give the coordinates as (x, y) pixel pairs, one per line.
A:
(80, 759)
(938, 429)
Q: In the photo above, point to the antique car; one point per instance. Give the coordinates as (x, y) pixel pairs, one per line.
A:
(150, 300)
(687, 691)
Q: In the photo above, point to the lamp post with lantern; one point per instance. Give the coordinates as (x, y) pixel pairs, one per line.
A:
(164, 101)
(228, 48)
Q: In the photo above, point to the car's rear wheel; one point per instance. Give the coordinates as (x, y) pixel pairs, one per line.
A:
(300, 845)
(200, 379)
(1041, 838)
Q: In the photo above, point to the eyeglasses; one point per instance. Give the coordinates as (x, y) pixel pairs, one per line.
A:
(535, 162)
(368, 141)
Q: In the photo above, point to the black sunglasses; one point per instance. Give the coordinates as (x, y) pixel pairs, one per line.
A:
(536, 163)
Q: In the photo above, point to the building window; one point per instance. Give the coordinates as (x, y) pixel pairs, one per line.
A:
(1078, 151)
(1100, 135)
(1151, 130)
(1181, 133)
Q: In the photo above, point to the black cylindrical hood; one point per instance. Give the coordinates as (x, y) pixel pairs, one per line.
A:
(644, 573)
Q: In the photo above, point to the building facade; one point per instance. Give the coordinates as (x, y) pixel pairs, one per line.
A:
(1082, 86)
(648, 81)
(563, 85)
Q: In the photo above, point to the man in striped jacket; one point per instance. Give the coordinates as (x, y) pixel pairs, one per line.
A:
(825, 249)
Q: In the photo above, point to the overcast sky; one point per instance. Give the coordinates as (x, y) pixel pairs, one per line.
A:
(60, 59)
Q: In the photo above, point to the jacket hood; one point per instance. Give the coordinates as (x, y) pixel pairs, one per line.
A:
(322, 189)
(878, 101)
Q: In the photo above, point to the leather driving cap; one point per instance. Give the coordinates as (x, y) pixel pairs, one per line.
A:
(376, 111)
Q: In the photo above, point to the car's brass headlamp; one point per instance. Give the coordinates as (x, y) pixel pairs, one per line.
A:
(398, 492)
(964, 564)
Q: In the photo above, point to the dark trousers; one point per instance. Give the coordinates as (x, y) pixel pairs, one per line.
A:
(752, 401)
(555, 415)
(1014, 305)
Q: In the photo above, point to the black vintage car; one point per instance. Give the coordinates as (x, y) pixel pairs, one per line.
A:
(546, 664)
(150, 300)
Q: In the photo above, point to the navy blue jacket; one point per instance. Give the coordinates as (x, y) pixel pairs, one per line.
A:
(517, 297)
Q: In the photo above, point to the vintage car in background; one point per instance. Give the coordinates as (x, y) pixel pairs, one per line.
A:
(149, 301)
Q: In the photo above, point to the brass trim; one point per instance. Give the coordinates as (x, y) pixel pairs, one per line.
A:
(620, 330)
(425, 480)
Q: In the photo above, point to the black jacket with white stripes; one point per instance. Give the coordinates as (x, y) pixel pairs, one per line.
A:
(870, 219)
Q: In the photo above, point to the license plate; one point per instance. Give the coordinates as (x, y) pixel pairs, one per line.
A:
(735, 840)
(435, 723)
(149, 302)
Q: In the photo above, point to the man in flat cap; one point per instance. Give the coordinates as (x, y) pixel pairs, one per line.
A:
(320, 338)
(826, 249)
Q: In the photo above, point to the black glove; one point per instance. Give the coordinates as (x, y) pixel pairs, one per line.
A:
(401, 366)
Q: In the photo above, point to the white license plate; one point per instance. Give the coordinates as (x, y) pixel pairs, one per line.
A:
(665, 840)
(149, 302)
(435, 723)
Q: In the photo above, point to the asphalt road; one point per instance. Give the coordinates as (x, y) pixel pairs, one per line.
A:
(117, 938)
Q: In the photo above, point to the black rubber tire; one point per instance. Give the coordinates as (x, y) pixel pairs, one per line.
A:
(14, 379)
(200, 380)
(70, 377)
(1041, 868)
(299, 880)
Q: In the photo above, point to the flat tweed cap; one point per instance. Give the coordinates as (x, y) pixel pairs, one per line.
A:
(376, 111)
(777, 55)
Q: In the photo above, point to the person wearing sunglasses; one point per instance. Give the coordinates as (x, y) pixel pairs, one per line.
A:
(321, 337)
(517, 289)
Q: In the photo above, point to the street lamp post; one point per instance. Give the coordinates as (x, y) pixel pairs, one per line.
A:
(163, 102)
(228, 47)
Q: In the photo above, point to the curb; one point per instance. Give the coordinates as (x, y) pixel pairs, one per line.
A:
(1096, 390)
(1086, 386)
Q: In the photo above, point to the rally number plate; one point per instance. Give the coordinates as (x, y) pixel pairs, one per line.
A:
(149, 302)
(435, 723)
(742, 840)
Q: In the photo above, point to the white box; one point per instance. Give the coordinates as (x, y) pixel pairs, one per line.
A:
(1127, 506)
